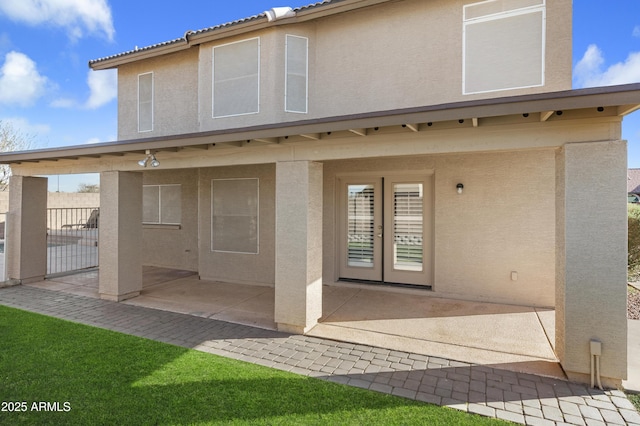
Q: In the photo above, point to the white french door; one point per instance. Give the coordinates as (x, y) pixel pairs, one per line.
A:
(385, 229)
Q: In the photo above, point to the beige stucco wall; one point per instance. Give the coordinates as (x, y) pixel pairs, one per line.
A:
(504, 221)
(59, 200)
(174, 247)
(239, 267)
(591, 264)
(27, 229)
(394, 55)
(120, 251)
(175, 102)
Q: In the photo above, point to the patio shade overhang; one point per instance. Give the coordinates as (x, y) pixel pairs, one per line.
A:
(616, 101)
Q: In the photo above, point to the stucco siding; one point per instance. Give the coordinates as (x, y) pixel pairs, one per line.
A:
(592, 265)
(249, 268)
(392, 55)
(170, 246)
(503, 222)
(175, 95)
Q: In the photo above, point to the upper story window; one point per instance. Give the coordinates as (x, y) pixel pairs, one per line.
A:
(504, 45)
(236, 78)
(145, 102)
(162, 204)
(297, 70)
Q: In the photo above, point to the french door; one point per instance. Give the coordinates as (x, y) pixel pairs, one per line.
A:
(385, 229)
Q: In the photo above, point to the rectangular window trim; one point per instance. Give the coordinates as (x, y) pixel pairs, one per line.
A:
(494, 16)
(160, 222)
(257, 214)
(306, 76)
(213, 63)
(140, 130)
(516, 11)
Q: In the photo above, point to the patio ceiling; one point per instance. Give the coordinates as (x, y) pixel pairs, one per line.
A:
(615, 101)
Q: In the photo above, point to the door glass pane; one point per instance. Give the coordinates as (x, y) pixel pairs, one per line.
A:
(407, 226)
(360, 233)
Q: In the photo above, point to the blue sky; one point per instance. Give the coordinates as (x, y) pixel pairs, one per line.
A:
(48, 91)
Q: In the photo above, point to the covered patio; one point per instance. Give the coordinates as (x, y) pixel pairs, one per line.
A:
(510, 337)
(481, 200)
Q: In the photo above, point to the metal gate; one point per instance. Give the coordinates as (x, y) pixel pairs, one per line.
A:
(72, 239)
(3, 230)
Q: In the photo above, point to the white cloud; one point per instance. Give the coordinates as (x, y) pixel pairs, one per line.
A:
(103, 86)
(5, 42)
(589, 71)
(93, 140)
(63, 103)
(20, 81)
(25, 127)
(636, 31)
(78, 17)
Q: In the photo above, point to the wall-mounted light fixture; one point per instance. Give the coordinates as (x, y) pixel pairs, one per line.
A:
(459, 187)
(150, 159)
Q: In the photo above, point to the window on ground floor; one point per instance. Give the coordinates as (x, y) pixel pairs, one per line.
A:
(234, 215)
(162, 204)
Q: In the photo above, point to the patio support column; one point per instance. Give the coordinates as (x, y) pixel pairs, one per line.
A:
(591, 272)
(27, 230)
(120, 275)
(298, 283)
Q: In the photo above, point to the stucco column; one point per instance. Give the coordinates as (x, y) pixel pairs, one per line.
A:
(120, 235)
(591, 273)
(298, 288)
(27, 229)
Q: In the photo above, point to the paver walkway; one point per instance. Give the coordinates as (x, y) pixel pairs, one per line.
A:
(489, 391)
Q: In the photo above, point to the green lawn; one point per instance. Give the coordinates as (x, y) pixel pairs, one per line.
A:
(101, 377)
(635, 400)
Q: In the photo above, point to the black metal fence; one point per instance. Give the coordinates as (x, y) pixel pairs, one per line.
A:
(72, 239)
(3, 229)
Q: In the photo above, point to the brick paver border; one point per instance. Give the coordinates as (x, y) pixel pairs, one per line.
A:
(488, 391)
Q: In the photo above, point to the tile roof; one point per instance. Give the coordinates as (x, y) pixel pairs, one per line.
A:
(633, 181)
(209, 29)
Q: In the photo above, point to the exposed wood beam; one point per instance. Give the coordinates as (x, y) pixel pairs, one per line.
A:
(545, 115)
(359, 132)
(267, 140)
(235, 144)
(627, 109)
(475, 121)
(413, 127)
(199, 147)
(312, 136)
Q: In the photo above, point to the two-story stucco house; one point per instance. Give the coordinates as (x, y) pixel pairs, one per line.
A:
(434, 144)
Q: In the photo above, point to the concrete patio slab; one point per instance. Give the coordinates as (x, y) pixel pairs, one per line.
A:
(511, 329)
(489, 390)
(514, 337)
(633, 356)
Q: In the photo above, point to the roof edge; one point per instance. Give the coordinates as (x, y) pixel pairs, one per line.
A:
(622, 95)
(233, 28)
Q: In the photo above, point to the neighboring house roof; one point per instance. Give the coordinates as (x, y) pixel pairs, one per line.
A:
(633, 181)
(616, 100)
(251, 23)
